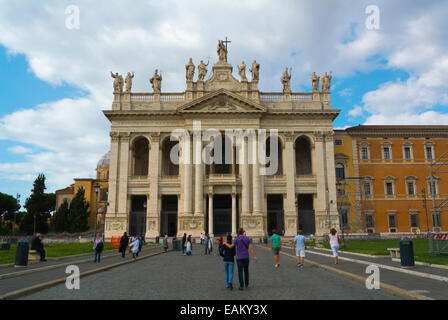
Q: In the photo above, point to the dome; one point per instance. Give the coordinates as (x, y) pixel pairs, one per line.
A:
(104, 161)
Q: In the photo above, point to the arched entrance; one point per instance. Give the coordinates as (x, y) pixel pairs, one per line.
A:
(307, 220)
(275, 214)
(168, 215)
(137, 217)
(222, 214)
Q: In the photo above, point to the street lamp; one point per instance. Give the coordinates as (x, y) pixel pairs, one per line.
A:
(97, 191)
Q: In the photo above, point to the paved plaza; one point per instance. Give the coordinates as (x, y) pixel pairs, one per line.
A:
(174, 276)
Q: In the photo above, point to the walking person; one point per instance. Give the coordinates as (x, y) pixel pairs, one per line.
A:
(243, 244)
(134, 247)
(184, 241)
(333, 238)
(98, 246)
(188, 246)
(140, 244)
(276, 243)
(124, 241)
(228, 256)
(207, 242)
(300, 248)
(201, 238)
(220, 243)
(165, 242)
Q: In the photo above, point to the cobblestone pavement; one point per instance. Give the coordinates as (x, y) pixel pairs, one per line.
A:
(23, 281)
(175, 276)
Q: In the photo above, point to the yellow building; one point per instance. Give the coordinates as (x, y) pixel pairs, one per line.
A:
(102, 176)
(347, 182)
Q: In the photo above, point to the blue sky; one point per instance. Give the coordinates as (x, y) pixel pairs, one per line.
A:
(55, 80)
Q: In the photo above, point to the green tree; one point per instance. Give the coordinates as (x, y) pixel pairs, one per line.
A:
(79, 212)
(8, 206)
(39, 207)
(59, 221)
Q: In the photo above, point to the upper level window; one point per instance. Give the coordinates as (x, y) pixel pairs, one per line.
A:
(407, 153)
(340, 171)
(411, 188)
(338, 142)
(386, 153)
(429, 153)
(367, 189)
(389, 188)
(364, 153)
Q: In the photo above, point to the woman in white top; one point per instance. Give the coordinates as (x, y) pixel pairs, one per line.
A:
(334, 243)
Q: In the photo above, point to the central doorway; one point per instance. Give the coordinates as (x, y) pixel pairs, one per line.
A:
(307, 220)
(275, 214)
(222, 214)
(168, 216)
(137, 217)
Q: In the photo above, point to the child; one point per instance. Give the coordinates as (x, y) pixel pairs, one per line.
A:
(134, 247)
(188, 246)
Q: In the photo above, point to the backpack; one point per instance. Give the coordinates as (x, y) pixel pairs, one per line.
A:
(100, 246)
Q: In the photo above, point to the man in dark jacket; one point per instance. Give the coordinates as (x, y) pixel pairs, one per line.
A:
(37, 245)
(124, 241)
(227, 251)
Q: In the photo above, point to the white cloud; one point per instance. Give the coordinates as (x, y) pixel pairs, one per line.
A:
(116, 36)
(19, 150)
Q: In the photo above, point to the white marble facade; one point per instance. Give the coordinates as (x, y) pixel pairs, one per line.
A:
(141, 126)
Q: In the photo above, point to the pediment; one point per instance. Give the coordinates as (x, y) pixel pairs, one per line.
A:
(221, 101)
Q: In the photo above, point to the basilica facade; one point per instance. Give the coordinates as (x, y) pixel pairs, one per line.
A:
(213, 192)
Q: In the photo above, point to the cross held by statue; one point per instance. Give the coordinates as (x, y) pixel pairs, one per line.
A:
(225, 43)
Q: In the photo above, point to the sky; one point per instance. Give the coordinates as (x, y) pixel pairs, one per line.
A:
(389, 66)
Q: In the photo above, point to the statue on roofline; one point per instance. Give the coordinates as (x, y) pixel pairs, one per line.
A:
(222, 51)
(202, 70)
(255, 71)
(242, 71)
(156, 82)
(128, 81)
(285, 79)
(315, 82)
(118, 82)
(189, 69)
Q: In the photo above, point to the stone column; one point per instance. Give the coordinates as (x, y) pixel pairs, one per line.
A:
(187, 175)
(113, 184)
(290, 212)
(331, 180)
(152, 210)
(244, 178)
(256, 182)
(321, 202)
(234, 213)
(199, 179)
(123, 210)
(210, 214)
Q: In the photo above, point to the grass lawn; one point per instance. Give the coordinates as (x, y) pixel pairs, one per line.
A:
(54, 250)
(379, 247)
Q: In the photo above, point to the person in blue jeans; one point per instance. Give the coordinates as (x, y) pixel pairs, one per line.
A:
(98, 246)
(227, 251)
(243, 244)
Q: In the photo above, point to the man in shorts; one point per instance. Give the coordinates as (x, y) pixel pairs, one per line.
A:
(276, 243)
(300, 248)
